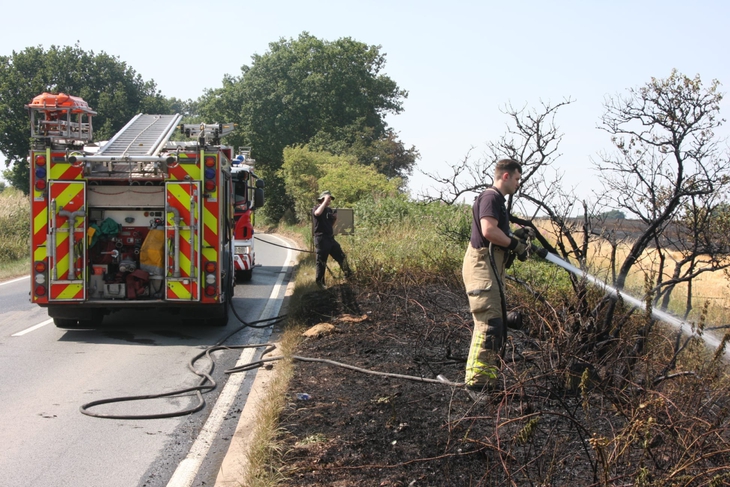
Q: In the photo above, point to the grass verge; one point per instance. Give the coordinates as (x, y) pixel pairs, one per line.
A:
(264, 457)
(16, 268)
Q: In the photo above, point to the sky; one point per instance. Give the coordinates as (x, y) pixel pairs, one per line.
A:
(462, 62)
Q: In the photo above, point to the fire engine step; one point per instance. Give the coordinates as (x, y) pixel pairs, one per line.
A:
(144, 135)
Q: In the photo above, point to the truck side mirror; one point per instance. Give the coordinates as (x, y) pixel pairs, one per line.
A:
(260, 183)
(258, 197)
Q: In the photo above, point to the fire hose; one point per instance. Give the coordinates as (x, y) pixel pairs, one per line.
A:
(208, 384)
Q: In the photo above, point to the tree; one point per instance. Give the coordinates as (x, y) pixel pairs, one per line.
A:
(699, 235)
(386, 153)
(667, 157)
(306, 173)
(304, 89)
(107, 84)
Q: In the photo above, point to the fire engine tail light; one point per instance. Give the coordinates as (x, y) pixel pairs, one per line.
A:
(210, 268)
(40, 184)
(209, 174)
(40, 160)
(40, 266)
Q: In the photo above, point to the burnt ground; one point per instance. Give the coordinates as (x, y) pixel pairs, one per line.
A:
(357, 429)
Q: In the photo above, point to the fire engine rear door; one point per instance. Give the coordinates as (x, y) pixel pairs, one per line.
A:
(66, 240)
(182, 231)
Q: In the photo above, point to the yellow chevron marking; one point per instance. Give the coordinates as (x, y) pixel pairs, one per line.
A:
(62, 264)
(68, 194)
(57, 168)
(178, 191)
(193, 170)
(39, 254)
(210, 254)
(210, 221)
(40, 220)
(70, 291)
(185, 263)
(179, 290)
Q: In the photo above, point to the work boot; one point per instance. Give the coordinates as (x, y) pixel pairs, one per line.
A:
(514, 320)
(320, 284)
(488, 386)
(477, 391)
(482, 375)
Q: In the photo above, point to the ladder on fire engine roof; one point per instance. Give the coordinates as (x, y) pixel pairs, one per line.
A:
(144, 135)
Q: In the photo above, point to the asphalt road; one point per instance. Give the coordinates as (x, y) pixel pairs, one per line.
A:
(47, 373)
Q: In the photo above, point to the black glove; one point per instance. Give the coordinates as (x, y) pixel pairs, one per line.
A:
(519, 247)
(524, 233)
(542, 252)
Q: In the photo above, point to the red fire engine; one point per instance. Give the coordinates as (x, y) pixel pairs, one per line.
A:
(140, 221)
(244, 257)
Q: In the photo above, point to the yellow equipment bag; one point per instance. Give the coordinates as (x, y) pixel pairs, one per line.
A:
(152, 253)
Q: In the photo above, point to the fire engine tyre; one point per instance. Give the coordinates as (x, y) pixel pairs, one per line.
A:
(71, 324)
(244, 276)
(87, 323)
(222, 317)
(65, 323)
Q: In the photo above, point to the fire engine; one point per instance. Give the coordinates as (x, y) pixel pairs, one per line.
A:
(244, 257)
(139, 221)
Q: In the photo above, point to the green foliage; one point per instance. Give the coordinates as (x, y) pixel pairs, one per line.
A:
(397, 239)
(14, 226)
(107, 84)
(385, 152)
(451, 222)
(306, 173)
(301, 171)
(304, 89)
(352, 182)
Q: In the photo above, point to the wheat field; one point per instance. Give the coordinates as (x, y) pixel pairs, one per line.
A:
(712, 288)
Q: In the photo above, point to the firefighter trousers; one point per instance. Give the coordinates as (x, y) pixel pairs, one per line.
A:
(324, 247)
(485, 304)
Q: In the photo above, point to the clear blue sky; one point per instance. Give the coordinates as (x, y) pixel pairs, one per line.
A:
(461, 61)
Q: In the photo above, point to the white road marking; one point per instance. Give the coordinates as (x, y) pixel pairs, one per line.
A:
(14, 280)
(187, 469)
(32, 328)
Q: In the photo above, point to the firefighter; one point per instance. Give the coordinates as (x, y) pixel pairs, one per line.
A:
(490, 224)
(325, 244)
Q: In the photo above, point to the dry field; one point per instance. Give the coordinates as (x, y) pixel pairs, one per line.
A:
(711, 287)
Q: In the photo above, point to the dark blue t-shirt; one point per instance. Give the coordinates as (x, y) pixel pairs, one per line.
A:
(489, 203)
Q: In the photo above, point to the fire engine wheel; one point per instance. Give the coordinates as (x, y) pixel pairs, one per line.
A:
(221, 318)
(65, 323)
(244, 276)
(91, 321)
(72, 324)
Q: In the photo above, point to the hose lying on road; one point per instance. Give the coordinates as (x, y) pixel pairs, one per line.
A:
(206, 383)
